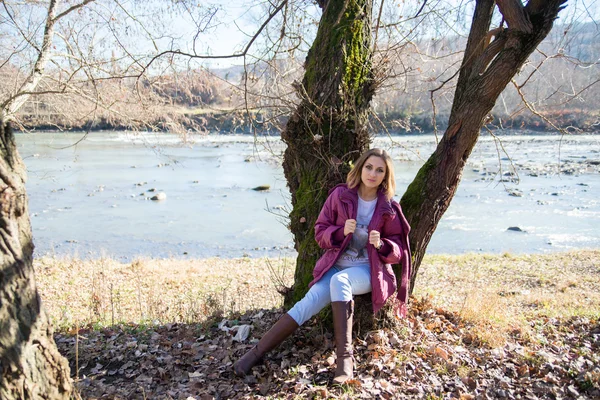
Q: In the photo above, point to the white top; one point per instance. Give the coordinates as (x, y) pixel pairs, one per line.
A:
(356, 252)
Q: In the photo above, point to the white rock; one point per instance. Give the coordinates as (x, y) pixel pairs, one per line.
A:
(159, 196)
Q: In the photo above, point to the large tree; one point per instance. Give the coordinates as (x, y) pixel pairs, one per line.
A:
(30, 365)
(326, 132)
(75, 69)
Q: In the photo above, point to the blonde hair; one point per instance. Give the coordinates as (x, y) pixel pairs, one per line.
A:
(389, 182)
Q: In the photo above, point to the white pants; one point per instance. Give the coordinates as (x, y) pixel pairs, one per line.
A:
(336, 285)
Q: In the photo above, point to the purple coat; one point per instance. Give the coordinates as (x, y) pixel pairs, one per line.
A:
(342, 204)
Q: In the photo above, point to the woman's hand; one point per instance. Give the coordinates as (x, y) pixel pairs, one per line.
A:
(349, 226)
(375, 239)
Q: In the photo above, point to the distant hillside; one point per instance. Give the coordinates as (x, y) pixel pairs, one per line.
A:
(564, 88)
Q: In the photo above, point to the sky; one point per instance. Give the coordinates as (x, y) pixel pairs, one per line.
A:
(231, 28)
(236, 20)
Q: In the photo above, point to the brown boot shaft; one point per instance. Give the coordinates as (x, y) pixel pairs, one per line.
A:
(342, 326)
(283, 328)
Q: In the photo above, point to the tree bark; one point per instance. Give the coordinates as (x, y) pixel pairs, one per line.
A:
(485, 72)
(328, 130)
(30, 365)
(514, 15)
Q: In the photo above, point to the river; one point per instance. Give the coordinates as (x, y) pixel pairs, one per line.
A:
(91, 199)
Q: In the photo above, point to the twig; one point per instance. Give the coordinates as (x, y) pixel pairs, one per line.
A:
(243, 54)
(277, 278)
(77, 351)
(496, 142)
(379, 22)
(532, 109)
(434, 116)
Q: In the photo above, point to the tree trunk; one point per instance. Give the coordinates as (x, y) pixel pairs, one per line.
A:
(328, 130)
(30, 365)
(485, 72)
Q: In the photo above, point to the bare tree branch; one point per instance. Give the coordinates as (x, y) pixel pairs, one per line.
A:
(71, 9)
(421, 9)
(534, 111)
(488, 55)
(18, 27)
(244, 52)
(10, 107)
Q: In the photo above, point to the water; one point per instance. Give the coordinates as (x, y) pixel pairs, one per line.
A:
(91, 199)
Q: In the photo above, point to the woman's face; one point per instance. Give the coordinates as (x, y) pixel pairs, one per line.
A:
(373, 172)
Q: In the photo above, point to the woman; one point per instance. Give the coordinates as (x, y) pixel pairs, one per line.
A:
(363, 231)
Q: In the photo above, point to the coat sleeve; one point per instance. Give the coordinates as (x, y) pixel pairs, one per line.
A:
(327, 234)
(392, 236)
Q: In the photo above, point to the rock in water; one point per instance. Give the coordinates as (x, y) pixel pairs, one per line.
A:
(515, 193)
(262, 188)
(159, 196)
(515, 229)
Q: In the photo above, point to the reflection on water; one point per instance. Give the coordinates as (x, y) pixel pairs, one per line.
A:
(93, 199)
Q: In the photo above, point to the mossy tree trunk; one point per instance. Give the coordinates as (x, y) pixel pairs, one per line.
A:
(328, 130)
(30, 365)
(486, 70)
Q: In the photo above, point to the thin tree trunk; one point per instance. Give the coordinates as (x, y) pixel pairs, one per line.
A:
(30, 365)
(485, 72)
(328, 130)
(14, 103)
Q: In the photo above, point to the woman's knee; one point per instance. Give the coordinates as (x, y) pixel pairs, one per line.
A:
(340, 287)
(341, 279)
(312, 302)
(313, 297)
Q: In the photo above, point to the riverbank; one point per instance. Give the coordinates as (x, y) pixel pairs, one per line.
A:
(479, 326)
(241, 121)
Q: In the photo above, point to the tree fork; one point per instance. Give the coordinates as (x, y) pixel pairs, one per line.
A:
(328, 130)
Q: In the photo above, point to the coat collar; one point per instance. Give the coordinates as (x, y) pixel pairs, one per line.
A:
(384, 206)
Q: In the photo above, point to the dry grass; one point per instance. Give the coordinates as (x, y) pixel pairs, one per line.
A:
(104, 292)
(504, 293)
(500, 293)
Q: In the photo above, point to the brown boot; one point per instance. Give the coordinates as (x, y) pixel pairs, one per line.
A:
(283, 328)
(342, 327)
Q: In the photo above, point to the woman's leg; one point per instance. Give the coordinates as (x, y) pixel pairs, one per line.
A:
(350, 282)
(345, 284)
(316, 298)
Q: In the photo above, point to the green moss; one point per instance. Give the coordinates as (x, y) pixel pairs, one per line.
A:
(338, 69)
(416, 191)
(324, 45)
(306, 201)
(357, 51)
(308, 255)
(310, 197)
(342, 33)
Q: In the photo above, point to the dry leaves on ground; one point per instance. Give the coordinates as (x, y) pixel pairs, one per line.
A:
(434, 354)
